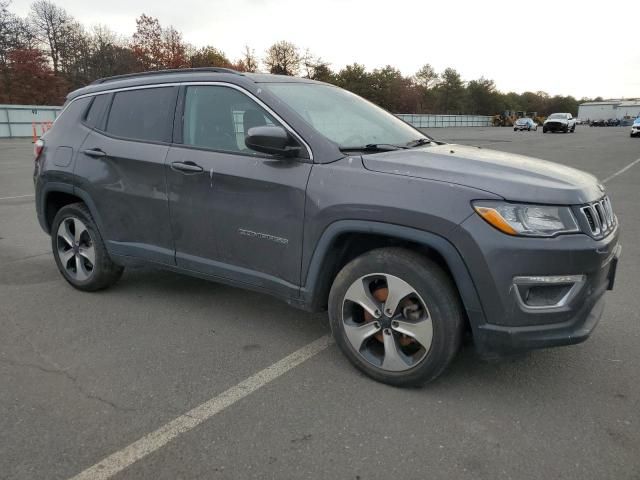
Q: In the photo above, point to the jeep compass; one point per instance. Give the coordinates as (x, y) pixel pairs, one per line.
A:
(307, 192)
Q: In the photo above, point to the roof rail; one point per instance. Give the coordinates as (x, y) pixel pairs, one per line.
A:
(162, 72)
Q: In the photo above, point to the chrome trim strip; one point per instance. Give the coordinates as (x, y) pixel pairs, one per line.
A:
(577, 280)
(223, 84)
(602, 215)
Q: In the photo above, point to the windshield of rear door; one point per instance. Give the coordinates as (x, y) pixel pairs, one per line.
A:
(345, 118)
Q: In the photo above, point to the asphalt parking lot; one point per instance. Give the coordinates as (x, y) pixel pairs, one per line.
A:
(83, 376)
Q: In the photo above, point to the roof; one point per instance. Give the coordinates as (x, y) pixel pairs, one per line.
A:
(630, 104)
(207, 74)
(618, 102)
(589, 104)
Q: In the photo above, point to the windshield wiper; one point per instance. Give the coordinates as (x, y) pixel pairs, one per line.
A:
(375, 147)
(418, 142)
(384, 146)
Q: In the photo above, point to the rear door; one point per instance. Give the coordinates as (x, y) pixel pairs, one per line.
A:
(121, 168)
(235, 213)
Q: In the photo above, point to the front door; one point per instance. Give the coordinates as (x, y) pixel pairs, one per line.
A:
(235, 213)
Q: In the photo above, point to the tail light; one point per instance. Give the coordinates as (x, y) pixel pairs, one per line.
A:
(38, 146)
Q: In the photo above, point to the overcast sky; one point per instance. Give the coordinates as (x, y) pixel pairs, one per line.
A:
(580, 48)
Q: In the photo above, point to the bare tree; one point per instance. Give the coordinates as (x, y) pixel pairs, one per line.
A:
(249, 62)
(283, 58)
(49, 24)
(75, 54)
(315, 68)
(14, 33)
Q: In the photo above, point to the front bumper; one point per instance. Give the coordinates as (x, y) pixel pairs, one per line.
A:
(556, 126)
(495, 260)
(635, 131)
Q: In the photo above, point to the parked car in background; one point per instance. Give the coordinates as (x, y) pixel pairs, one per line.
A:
(635, 128)
(559, 122)
(525, 124)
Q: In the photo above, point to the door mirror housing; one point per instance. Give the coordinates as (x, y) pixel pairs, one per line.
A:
(272, 140)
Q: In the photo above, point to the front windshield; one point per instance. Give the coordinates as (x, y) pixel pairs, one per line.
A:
(558, 115)
(344, 118)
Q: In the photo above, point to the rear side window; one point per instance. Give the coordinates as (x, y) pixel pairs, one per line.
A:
(95, 115)
(145, 114)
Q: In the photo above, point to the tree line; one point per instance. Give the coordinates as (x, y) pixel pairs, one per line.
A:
(49, 53)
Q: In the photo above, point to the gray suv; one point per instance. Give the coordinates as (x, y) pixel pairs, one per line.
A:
(307, 192)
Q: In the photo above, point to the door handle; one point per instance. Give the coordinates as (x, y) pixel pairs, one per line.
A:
(95, 152)
(187, 167)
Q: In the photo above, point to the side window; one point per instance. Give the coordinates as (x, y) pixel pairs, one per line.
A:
(145, 114)
(95, 114)
(219, 118)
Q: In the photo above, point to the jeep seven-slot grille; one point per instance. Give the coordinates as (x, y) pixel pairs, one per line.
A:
(599, 216)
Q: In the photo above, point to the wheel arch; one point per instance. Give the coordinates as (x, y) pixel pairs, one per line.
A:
(55, 195)
(336, 248)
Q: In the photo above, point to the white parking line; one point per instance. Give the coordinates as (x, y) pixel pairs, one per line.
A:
(120, 460)
(622, 170)
(17, 196)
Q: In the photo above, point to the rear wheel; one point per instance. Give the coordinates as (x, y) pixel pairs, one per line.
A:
(79, 251)
(396, 316)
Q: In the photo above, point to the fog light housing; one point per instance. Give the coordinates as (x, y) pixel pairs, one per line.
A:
(547, 292)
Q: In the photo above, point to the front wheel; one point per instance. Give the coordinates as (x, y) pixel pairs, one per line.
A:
(79, 251)
(396, 316)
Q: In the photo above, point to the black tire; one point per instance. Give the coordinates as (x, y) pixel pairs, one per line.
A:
(104, 272)
(430, 282)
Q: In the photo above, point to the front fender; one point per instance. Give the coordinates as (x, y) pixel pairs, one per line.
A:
(310, 291)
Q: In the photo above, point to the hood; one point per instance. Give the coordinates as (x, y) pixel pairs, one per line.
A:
(513, 177)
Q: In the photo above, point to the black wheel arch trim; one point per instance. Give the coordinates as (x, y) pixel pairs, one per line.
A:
(42, 195)
(461, 276)
(55, 187)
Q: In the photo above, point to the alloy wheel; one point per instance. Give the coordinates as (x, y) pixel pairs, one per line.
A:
(75, 249)
(387, 322)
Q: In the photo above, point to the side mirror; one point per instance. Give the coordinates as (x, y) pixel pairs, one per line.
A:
(272, 140)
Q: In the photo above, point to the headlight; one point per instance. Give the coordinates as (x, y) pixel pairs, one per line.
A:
(527, 220)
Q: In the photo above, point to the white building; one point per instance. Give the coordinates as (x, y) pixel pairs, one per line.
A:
(629, 109)
(607, 109)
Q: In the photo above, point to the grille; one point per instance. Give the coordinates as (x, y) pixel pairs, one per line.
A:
(599, 216)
